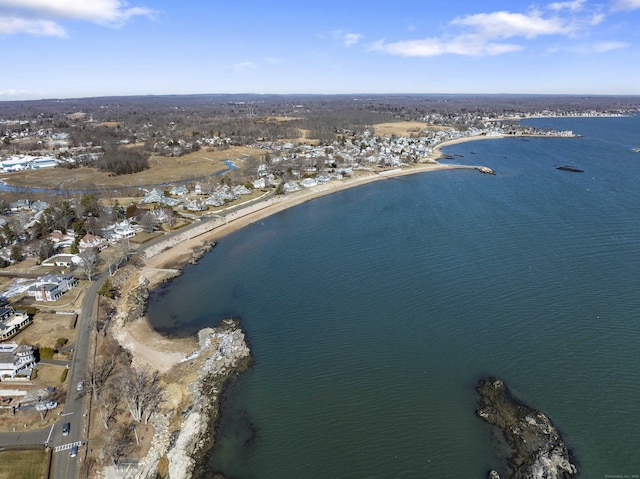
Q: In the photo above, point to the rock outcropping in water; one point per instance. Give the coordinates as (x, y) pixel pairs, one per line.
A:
(539, 452)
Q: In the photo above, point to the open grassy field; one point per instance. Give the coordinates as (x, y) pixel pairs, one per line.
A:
(24, 463)
(404, 128)
(162, 170)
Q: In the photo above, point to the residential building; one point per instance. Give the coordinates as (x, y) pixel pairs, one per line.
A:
(52, 287)
(16, 360)
(12, 322)
(92, 241)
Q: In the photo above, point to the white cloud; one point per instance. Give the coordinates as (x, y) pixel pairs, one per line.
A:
(485, 34)
(574, 6)
(15, 94)
(506, 25)
(625, 5)
(603, 47)
(243, 66)
(48, 13)
(42, 28)
(347, 39)
(466, 45)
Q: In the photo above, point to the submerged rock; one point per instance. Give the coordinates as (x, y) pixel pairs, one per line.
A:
(539, 451)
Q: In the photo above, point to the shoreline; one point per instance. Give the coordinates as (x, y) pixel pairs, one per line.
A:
(151, 349)
(177, 256)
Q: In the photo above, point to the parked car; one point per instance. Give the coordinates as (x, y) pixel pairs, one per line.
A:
(74, 451)
(66, 428)
(43, 406)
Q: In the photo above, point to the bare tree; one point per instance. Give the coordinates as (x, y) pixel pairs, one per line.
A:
(148, 222)
(101, 375)
(141, 391)
(120, 443)
(89, 258)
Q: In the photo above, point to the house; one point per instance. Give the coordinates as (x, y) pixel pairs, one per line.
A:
(92, 241)
(153, 196)
(290, 186)
(51, 287)
(123, 230)
(56, 236)
(12, 322)
(16, 360)
(179, 190)
(20, 205)
(195, 205)
(63, 260)
(308, 183)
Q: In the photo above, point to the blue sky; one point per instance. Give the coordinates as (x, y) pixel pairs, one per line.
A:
(81, 48)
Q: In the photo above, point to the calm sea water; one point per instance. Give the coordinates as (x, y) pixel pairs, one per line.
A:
(373, 312)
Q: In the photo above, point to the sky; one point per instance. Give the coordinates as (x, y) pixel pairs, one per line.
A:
(88, 48)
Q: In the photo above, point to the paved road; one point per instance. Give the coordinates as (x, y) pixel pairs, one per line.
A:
(77, 403)
(24, 438)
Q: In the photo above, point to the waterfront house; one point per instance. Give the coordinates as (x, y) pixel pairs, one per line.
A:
(12, 322)
(16, 360)
(92, 241)
(123, 230)
(52, 286)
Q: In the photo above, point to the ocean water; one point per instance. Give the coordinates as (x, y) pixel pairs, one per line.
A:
(373, 312)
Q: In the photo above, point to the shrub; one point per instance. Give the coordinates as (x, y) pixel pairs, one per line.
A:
(46, 352)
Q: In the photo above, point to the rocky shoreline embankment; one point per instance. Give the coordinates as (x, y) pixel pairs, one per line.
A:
(186, 435)
(539, 451)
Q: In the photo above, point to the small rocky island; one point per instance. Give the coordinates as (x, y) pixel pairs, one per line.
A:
(538, 449)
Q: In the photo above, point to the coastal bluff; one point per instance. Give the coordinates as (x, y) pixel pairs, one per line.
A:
(185, 428)
(538, 450)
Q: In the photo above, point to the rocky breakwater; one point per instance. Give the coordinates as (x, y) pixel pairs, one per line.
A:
(188, 433)
(539, 451)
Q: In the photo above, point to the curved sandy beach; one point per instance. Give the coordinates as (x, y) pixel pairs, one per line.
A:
(242, 217)
(154, 350)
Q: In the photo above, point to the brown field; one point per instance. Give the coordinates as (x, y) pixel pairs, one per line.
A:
(403, 128)
(48, 326)
(199, 164)
(282, 118)
(24, 463)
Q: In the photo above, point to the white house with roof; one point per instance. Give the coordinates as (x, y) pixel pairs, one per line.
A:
(123, 230)
(179, 190)
(153, 196)
(89, 241)
(12, 322)
(16, 360)
(52, 286)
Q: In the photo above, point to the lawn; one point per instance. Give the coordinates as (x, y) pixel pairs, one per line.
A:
(24, 463)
